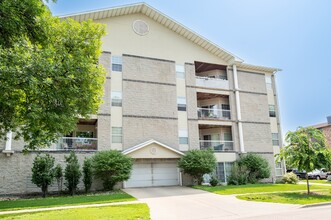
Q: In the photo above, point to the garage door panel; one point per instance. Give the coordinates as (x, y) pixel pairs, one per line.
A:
(156, 174)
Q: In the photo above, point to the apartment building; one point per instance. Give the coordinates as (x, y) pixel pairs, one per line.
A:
(326, 129)
(167, 90)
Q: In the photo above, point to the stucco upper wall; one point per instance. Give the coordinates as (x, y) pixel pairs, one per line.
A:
(160, 42)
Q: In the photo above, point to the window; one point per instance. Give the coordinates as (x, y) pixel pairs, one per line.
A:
(181, 103)
(116, 63)
(275, 139)
(272, 112)
(116, 98)
(180, 72)
(278, 167)
(223, 171)
(226, 110)
(183, 136)
(116, 135)
(268, 82)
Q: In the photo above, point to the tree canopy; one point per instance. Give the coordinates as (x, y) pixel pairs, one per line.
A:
(49, 72)
(196, 163)
(306, 150)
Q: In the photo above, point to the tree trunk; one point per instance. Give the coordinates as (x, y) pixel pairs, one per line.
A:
(308, 187)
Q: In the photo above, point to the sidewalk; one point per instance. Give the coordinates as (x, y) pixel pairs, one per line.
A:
(67, 207)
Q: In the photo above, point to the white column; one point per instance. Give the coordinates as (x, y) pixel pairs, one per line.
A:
(8, 141)
(240, 126)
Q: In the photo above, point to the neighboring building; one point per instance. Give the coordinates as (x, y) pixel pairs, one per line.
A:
(167, 90)
(326, 129)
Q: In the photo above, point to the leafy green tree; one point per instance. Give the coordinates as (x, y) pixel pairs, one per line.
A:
(87, 174)
(238, 176)
(43, 172)
(49, 72)
(306, 150)
(111, 167)
(196, 163)
(58, 174)
(72, 172)
(257, 167)
(21, 19)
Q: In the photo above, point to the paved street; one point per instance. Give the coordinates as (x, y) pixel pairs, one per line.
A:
(190, 204)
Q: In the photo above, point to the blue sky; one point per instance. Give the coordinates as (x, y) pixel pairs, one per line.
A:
(294, 35)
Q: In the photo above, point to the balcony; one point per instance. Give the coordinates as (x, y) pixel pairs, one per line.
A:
(74, 143)
(212, 113)
(217, 146)
(211, 82)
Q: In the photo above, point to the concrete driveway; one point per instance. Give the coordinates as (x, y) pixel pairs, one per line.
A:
(185, 203)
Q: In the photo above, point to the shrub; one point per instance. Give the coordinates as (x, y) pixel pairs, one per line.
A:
(257, 167)
(239, 175)
(43, 172)
(196, 163)
(213, 181)
(87, 174)
(111, 167)
(58, 174)
(72, 172)
(290, 178)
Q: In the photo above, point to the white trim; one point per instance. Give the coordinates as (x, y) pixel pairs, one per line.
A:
(237, 97)
(142, 145)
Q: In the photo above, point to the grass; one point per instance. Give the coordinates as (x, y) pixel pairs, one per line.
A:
(257, 188)
(300, 198)
(123, 212)
(316, 181)
(115, 196)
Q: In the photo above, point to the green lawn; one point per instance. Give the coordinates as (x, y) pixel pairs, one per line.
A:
(257, 188)
(122, 212)
(115, 196)
(316, 181)
(291, 198)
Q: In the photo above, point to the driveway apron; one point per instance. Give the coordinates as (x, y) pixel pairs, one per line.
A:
(183, 203)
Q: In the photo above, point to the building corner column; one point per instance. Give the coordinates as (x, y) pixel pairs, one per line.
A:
(238, 109)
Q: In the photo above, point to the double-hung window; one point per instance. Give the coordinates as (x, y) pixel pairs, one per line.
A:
(181, 103)
(116, 63)
(116, 98)
(180, 72)
(116, 134)
(183, 136)
(275, 139)
(272, 111)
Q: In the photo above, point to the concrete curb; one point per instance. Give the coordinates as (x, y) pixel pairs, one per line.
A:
(316, 205)
(68, 207)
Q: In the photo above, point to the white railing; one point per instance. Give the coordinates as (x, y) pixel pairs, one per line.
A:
(74, 143)
(216, 145)
(211, 113)
(210, 82)
(210, 78)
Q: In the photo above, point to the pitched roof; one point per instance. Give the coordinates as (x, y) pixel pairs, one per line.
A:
(142, 145)
(173, 25)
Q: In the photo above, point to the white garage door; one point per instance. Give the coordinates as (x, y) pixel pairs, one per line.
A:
(153, 174)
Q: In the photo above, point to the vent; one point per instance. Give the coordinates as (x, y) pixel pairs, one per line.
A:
(140, 27)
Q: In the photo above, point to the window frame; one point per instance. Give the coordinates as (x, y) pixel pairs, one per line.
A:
(116, 102)
(116, 63)
(275, 142)
(115, 135)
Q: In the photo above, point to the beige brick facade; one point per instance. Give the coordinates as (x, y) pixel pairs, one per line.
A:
(148, 84)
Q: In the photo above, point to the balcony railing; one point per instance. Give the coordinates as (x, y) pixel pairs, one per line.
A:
(75, 143)
(211, 113)
(216, 146)
(210, 82)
